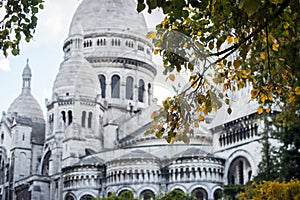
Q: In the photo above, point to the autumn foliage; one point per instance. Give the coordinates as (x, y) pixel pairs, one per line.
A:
(272, 190)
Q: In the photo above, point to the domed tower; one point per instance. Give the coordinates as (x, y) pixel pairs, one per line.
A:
(74, 112)
(23, 133)
(115, 44)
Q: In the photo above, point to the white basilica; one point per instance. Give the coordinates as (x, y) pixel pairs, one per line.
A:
(92, 142)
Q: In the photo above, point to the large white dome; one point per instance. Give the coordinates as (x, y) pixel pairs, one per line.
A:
(96, 16)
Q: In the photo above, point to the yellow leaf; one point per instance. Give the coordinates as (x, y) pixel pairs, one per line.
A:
(286, 25)
(151, 35)
(235, 40)
(247, 72)
(291, 97)
(201, 117)
(268, 110)
(260, 110)
(279, 90)
(185, 45)
(275, 47)
(297, 90)
(265, 40)
(262, 55)
(270, 96)
(263, 97)
(229, 39)
(199, 33)
(155, 51)
(172, 77)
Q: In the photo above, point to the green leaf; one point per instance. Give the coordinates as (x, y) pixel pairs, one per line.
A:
(250, 6)
(141, 7)
(229, 111)
(15, 52)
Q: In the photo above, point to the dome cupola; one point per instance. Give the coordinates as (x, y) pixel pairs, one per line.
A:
(25, 104)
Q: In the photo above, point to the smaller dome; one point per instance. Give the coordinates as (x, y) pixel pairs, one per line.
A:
(76, 76)
(26, 105)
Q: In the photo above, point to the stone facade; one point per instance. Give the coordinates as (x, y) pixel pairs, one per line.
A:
(92, 143)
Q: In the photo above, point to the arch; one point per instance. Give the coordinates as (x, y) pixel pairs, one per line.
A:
(70, 196)
(217, 194)
(115, 86)
(238, 171)
(200, 193)
(87, 197)
(102, 80)
(129, 88)
(90, 119)
(149, 93)
(83, 119)
(70, 117)
(126, 193)
(178, 187)
(233, 156)
(147, 195)
(45, 165)
(63, 115)
(141, 90)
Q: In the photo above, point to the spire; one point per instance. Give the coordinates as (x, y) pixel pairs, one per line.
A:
(26, 78)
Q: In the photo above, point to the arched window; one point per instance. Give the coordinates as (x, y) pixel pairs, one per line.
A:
(149, 93)
(102, 80)
(147, 195)
(45, 166)
(90, 120)
(63, 115)
(141, 90)
(69, 197)
(200, 193)
(238, 171)
(115, 86)
(218, 194)
(129, 88)
(126, 194)
(83, 118)
(87, 197)
(70, 117)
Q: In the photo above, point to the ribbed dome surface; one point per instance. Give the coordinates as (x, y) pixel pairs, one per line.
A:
(76, 76)
(26, 105)
(98, 16)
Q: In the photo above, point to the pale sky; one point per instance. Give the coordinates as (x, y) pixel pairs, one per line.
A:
(45, 54)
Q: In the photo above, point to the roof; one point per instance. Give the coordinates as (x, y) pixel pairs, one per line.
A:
(136, 154)
(193, 152)
(26, 105)
(97, 16)
(241, 105)
(76, 76)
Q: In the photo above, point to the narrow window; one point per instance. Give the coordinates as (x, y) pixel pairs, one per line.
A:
(23, 137)
(70, 117)
(63, 115)
(102, 80)
(129, 88)
(83, 117)
(141, 90)
(149, 93)
(90, 120)
(115, 86)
